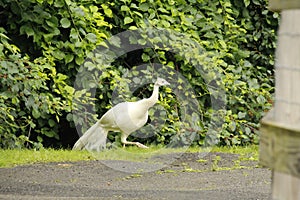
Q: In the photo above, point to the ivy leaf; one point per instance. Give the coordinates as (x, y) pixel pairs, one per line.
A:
(35, 113)
(26, 29)
(107, 11)
(232, 126)
(89, 65)
(145, 57)
(246, 2)
(223, 44)
(256, 2)
(261, 99)
(142, 41)
(115, 41)
(248, 130)
(51, 122)
(241, 115)
(79, 60)
(65, 23)
(74, 34)
(165, 23)
(91, 37)
(70, 90)
(127, 20)
(69, 58)
(49, 133)
(144, 6)
(125, 8)
(132, 28)
(58, 54)
(58, 3)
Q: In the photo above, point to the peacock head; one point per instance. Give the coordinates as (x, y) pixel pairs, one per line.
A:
(161, 82)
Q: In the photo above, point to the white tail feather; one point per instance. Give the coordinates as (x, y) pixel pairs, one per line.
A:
(94, 139)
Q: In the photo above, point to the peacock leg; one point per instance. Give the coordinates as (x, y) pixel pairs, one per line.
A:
(124, 141)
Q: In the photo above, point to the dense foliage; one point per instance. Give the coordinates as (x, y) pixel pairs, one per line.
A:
(44, 45)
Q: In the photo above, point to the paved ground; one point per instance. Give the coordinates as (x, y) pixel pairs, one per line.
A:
(189, 176)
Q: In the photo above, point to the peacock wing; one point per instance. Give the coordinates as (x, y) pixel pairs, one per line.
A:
(125, 117)
(134, 116)
(108, 120)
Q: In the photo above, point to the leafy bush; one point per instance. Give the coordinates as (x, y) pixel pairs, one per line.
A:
(44, 43)
(47, 42)
(26, 103)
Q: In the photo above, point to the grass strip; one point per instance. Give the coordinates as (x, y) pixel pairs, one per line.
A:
(15, 157)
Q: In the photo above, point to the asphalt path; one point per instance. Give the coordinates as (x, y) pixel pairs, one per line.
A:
(188, 176)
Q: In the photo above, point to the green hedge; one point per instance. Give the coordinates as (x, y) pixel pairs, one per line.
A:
(44, 44)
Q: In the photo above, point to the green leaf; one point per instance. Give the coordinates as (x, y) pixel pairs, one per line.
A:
(144, 7)
(232, 126)
(49, 133)
(15, 100)
(127, 20)
(74, 34)
(91, 37)
(132, 28)
(89, 65)
(51, 122)
(107, 11)
(27, 29)
(52, 22)
(65, 23)
(256, 2)
(223, 44)
(59, 3)
(241, 115)
(165, 23)
(136, 80)
(36, 114)
(69, 89)
(261, 99)
(79, 60)
(145, 57)
(247, 130)
(142, 41)
(69, 58)
(116, 41)
(69, 117)
(125, 8)
(40, 139)
(58, 54)
(11, 117)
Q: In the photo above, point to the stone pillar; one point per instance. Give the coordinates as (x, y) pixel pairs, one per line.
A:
(280, 128)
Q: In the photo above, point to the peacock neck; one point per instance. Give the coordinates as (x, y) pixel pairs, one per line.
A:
(154, 97)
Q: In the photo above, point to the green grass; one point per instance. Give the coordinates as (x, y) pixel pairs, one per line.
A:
(15, 157)
(246, 153)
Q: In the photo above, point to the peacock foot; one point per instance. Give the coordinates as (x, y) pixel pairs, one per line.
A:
(141, 145)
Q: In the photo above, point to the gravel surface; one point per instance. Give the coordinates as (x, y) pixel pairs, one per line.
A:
(215, 176)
